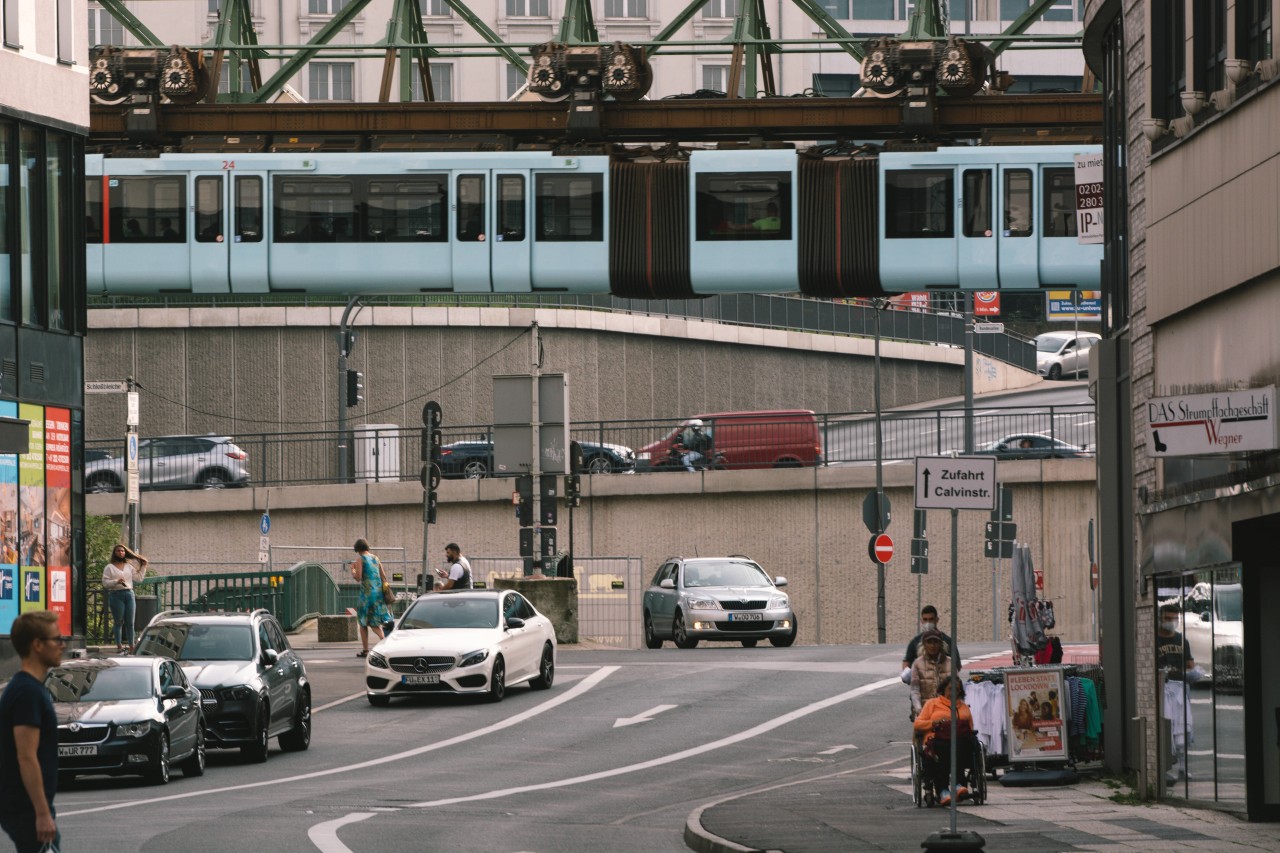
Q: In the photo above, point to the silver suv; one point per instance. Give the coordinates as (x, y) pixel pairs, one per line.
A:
(716, 598)
(174, 462)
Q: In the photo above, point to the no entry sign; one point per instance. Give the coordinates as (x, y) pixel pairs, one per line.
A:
(881, 548)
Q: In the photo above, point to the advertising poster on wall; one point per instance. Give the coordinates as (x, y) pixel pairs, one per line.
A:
(57, 447)
(8, 530)
(31, 526)
(1036, 730)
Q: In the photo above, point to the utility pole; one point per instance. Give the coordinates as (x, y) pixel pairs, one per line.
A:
(879, 305)
(535, 457)
(132, 514)
(346, 340)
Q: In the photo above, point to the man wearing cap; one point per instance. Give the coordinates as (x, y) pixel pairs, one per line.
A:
(930, 669)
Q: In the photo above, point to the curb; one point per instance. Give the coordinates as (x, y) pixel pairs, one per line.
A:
(702, 840)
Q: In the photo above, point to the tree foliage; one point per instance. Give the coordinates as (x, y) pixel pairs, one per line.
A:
(101, 534)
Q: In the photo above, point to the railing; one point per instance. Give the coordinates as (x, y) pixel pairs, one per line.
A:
(292, 595)
(393, 455)
(854, 317)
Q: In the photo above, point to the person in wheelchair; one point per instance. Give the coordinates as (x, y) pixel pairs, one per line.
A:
(933, 732)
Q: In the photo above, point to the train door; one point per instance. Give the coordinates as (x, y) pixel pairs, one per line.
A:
(977, 267)
(510, 248)
(250, 270)
(472, 225)
(1018, 264)
(209, 272)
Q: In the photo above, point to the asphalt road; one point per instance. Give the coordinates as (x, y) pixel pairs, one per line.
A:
(614, 757)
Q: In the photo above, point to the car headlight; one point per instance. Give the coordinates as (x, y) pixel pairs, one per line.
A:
(134, 730)
(234, 694)
(376, 659)
(473, 658)
(780, 601)
(704, 604)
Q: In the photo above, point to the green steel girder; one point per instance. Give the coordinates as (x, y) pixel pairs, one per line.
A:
(1020, 24)
(831, 27)
(235, 26)
(299, 60)
(405, 26)
(135, 28)
(679, 21)
(482, 29)
(578, 24)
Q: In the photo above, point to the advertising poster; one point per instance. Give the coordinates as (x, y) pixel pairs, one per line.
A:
(57, 451)
(1036, 730)
(31, 526)
(8, 530)
(1067, 305)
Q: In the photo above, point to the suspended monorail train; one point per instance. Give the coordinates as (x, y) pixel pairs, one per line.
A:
(734, 221)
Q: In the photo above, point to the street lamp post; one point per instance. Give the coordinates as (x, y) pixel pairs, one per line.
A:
(345, 342)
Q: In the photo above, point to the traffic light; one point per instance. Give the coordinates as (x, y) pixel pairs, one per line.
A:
(355, 385)
(523, 499)
(573, 490)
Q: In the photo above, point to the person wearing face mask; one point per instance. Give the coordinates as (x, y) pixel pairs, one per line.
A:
(928, 621)
(1173, 658)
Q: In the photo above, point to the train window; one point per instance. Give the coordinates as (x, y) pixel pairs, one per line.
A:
(209, 209)
(248, 209)
(919, 203)
(471, 208)
(147, 210)
(92, 206)
(403, 211)
(977, 203)
(511, 208)
(1017, 203)
(313, 210)
(1059, 202)
(570, 208)
(743, 206)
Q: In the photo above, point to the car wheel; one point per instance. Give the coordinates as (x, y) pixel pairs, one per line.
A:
(1055, 372)
(475, 470)
(784, 642)
(158, 774)
(681, 634)
(213, 480)
(546, 669)
(599, 465)
(498, 680)
(101, 484)
(748, 644)
(651, 640)
(194, 766)
(256, 752)
(298, 738)
(379, 700)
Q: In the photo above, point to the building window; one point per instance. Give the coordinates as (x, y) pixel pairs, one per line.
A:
(907, 8)
(58, 266)
(331, 81)
(1168, 61)
(835, 85)
(66, 33)
(11, 19)
(1045, 83)
(515, 80)
(1115, 178)
(104, 29)
(1253, 30)
(838, 9)
(1210, 46)
(30, 219)
(716, 78)
(626, 8)
(441, 82)
(529, 9)
(720, 9)
(7, 200)
(437, 9)
(1063, 10)
(326, 7)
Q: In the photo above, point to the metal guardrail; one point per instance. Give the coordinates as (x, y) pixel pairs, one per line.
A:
(854, 317)
(292, 595)
(393, 455)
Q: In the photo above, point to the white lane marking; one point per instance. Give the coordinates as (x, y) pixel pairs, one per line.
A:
(643, 717)
(841, 748)
(747, 734)
(337, 702)
(569, 695)
(325, 835)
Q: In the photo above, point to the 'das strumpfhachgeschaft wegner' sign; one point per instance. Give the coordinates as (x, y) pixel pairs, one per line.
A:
(1222, 422)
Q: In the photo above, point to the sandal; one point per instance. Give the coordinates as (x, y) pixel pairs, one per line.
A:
(362, 653)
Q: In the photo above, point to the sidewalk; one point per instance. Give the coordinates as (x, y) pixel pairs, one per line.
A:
(841, 813)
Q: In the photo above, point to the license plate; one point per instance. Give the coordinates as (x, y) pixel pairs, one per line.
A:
(746, 617)
(78, 750)
(419, 679)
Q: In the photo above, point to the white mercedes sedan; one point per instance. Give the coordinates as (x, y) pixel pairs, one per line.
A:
(468, 641)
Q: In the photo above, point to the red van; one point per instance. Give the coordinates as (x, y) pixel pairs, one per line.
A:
(786, 438)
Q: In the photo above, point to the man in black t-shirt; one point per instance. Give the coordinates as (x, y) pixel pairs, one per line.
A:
(1173, 655)
(29, 736)
(1173, 658)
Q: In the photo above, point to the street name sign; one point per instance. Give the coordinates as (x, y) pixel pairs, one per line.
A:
(988, 328)
(955, 482)
(106, 386)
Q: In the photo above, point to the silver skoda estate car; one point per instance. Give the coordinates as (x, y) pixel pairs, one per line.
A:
(716, 598)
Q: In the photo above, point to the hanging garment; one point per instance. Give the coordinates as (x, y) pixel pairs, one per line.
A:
(1177, 710)
(1092, 712)
(987, 705)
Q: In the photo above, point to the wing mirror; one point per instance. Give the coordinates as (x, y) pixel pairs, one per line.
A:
(174, 691)
(514, 622)
(666, 583)
(269, 657)
(779, 581)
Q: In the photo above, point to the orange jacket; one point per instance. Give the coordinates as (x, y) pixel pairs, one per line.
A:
(938, 709)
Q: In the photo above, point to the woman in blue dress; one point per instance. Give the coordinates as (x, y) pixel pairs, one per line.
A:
(371, 610)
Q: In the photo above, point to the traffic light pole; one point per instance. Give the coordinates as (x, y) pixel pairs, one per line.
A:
(880, 579)
(535, 458)
(344, 350)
